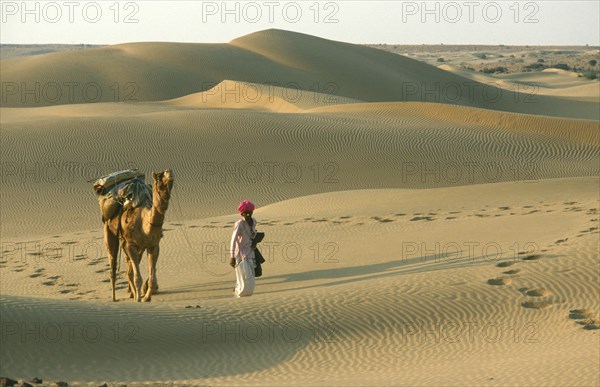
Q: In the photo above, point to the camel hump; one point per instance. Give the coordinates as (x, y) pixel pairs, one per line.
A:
(105, 183)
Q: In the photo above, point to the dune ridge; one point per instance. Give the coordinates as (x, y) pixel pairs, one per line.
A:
(155, 71)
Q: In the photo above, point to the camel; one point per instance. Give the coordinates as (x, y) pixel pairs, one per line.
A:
(140, 229)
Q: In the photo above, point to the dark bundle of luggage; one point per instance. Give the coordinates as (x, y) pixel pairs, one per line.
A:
(258, 258)
(122, 190)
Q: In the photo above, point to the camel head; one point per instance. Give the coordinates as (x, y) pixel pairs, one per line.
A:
(163, 184)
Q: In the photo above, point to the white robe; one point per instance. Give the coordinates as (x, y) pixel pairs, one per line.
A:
(241, 249)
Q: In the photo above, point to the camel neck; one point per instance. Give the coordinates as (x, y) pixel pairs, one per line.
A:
(156, 217)
(159, 207)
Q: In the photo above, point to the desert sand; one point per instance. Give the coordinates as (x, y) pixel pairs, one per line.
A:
(410, 239)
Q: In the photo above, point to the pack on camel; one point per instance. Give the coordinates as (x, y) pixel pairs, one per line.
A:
(134, 212)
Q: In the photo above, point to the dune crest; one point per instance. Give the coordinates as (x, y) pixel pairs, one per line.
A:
(155, 71)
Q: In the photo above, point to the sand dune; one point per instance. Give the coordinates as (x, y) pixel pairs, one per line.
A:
(285, 155)
(160, 71)
(365, 312)
(553, 82)
(244, 95)
(408, 242)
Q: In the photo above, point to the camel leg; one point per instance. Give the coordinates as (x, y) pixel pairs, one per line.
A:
(131, 286)
(152, 259)
(134, 256)
(154, 287)
(112, 247)
(154, 277)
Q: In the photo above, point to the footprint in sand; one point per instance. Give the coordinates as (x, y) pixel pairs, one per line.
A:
(591, 229)
(512, 272)
(580, 314)
(532, 257)
(381, 220)
(537, 292)
(561, 241)
(416, 218)
(591, 324)
(505, 264)
(500, 281)
(65, 291)
(504, 208)
(105, 280)
(585, 317)
(38, 272)
(536, 304)
(348, 216)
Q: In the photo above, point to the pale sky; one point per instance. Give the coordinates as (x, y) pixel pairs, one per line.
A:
(510, 22)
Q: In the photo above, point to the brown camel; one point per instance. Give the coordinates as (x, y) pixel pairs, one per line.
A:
(140, 230)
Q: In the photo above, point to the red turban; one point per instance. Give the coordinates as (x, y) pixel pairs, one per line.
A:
(246, 206)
